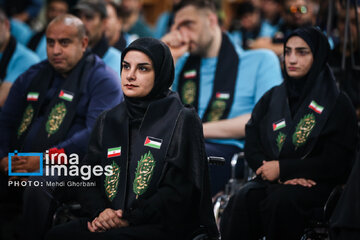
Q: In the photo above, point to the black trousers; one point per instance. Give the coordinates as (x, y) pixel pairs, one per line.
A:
(76, 230)
(276, 211)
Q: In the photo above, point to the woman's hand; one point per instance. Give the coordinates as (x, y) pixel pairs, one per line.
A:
(269, 171)
(301, 181)
(106, 220)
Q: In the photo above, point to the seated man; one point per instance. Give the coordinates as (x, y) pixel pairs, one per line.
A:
(222, 82)
(14, 58)
(94, 16)
(53, 106)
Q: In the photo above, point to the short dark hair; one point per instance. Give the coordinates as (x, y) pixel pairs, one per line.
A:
(200, 4)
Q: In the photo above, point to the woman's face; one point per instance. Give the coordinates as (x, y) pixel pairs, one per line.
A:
(298, 57)
(138, 75)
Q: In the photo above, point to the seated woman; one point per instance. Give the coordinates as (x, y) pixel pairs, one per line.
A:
(159, 187)
(300, 141)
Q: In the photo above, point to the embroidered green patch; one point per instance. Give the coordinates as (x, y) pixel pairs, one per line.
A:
(55, 119)
(189, 92)
(217, 110)
(303, 130)
(26, 120)
(111, 183)
(280, 140)
(144, 172)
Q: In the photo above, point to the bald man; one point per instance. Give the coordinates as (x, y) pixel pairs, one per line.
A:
(53, 106)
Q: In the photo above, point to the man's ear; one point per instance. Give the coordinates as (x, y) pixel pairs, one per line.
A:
(85, 42)
(214, 21)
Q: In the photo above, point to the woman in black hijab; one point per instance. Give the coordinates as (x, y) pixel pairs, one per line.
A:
(158, 188)
(300, 141)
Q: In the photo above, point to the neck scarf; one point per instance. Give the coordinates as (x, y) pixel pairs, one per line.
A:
(101, 47)
(299, 108)
(224, 82)
(164, 74)
(60, 111)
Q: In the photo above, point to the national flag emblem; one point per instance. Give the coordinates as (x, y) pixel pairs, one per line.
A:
(316, 107)
(190, 74)
(153, 142)
(279, 124)
(223, 96)
(32, 96)
(68, 96)
(114, 152)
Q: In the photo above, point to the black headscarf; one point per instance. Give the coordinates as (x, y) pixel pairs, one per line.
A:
(296, 102)
(163, 64)
(297, 89)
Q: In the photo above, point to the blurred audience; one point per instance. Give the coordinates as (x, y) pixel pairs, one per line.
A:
(93, 14)
(134, 22)
(54, 8)
(14, 58)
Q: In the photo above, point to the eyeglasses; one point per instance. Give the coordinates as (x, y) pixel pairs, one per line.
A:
(300, 9)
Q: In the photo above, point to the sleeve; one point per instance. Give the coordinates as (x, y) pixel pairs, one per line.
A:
(254, 153)
(13, 108)
(19, 64)
(333, 155)
(104, 94)
(268, 73)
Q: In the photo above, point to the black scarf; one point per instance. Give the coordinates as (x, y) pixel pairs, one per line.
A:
(164, 74)
(158, 113)
(9, 51)
(296, 134)
(34, 41)
(224, 83)
(101, 47)
(60, 111)
(121, 43)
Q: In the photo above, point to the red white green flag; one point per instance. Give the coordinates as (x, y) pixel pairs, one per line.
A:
(153, 142)
(222, 96)
(114, 152)
(32, 96)
(68, 96)
(316, 107)
(190, 74)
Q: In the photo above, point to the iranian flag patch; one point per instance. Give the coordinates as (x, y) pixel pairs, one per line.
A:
(190, 74)
(67, 96)
(316, 107)
(114, 152)
(153, 142)
(32, 96)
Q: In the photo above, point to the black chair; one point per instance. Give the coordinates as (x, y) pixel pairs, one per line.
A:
(318, 227)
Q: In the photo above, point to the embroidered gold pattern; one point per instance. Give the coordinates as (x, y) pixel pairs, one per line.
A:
(189, 92)
(303, 130)
(217, 110)
(144, 172)
(55, 119)
(280, 140)
(111, 182)
(26, 120)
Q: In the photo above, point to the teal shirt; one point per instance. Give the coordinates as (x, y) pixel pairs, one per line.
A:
(258, 71)
(20, 61)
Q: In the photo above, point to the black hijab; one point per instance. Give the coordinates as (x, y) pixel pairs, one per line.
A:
(163, 64)
(299, 108)
(297, 89)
